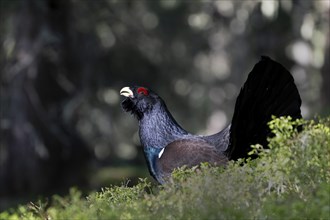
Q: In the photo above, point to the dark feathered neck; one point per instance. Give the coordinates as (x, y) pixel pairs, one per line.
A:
(158, 128)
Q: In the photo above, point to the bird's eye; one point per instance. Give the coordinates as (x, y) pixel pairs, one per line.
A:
(143, 91)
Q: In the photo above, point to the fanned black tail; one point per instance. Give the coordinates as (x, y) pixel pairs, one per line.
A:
(269, 90)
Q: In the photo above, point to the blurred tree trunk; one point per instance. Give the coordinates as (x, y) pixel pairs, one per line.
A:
(43, 152)
(325, 71)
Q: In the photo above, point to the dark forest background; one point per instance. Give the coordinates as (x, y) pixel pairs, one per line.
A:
(63, 63)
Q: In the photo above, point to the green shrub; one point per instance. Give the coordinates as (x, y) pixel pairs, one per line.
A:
(289, 180)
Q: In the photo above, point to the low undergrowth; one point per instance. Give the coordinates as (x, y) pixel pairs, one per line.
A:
(289, 180)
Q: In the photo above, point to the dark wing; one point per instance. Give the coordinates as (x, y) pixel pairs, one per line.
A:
(269, 90)
(190, 153)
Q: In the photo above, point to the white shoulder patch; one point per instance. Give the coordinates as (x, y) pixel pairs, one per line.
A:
(161, 152)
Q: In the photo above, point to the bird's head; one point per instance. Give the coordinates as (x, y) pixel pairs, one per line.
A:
(139, 100)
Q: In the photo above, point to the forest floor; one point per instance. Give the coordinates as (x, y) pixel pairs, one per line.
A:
(289, 180)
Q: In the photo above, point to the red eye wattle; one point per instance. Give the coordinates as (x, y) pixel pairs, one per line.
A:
(143, 91)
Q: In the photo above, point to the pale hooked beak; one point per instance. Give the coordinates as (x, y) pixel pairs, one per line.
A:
(127, 92)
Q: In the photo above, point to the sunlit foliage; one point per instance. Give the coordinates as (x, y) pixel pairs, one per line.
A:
(290, 180)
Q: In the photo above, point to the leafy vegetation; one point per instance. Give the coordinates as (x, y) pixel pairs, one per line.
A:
(290, 179)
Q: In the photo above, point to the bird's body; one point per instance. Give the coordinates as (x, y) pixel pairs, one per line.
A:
(269, 90)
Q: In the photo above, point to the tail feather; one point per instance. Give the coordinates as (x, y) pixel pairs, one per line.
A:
(269, 90)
